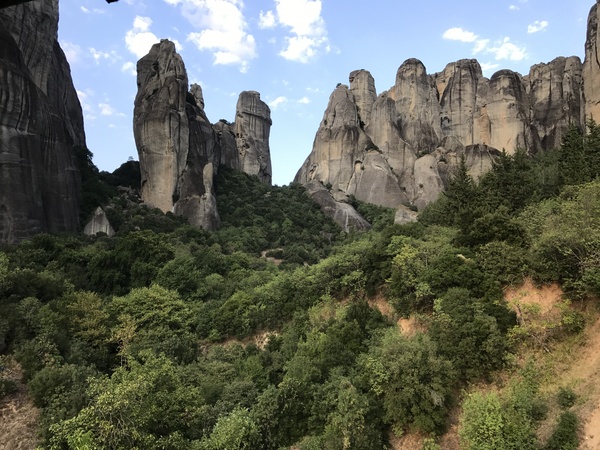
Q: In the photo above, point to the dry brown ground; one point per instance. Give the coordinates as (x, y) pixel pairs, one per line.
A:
(18, 416)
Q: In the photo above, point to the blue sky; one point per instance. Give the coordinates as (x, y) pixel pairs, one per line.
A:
(294, 52)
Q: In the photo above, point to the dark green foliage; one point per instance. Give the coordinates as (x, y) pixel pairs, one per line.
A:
(120, 339)
(378, 216)
(565, 435)
(256, 216)
(468, 335)
(566, 397)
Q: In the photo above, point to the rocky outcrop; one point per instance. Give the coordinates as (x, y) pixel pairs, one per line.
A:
(402, 147)
(341, 212)
(252, 129)
(98, 223)
(41, 123)
(180, 150)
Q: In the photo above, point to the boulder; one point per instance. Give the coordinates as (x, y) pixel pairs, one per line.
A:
(342, 213)
(98, 223)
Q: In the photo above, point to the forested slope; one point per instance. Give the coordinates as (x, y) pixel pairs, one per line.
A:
(166, 336)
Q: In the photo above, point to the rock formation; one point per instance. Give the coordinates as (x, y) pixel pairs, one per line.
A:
(591, 66)
(180, 150)
(340, 211)
(40, 124)
(98, 223)
(402, 146)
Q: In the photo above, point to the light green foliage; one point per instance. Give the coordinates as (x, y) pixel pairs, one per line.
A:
(565, 236)
(489, 421)
(154, 318)
(145, 406)
(235, 431)
(481, 425)
(414, 383)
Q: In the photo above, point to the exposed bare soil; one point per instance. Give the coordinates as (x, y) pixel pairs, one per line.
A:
(18, 416)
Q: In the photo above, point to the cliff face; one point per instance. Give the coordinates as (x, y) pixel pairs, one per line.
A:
(402, 146)
(40, 123)
(591, 66)
(180, 150)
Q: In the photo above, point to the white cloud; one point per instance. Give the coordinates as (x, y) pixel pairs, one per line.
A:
(107, 110)
(92, 11)
(537, 26)
(304, 100)
(140, 39)
(488, 67)
(458, 34)
(84, 100)
(72, 51)
(302, 16)
(129, 68)
(278, 101)
(514, 8)
(223, 30)
(99, 55)
(505, 49)
(266, 20)
(307, 27)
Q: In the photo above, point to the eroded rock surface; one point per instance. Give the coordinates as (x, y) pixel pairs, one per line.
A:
(98, 223)
(341, 212)
(591, 66)
(40, 124)
(401, 147)
(180, 150)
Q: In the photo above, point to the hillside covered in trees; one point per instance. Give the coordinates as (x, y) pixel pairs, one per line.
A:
(266, 333)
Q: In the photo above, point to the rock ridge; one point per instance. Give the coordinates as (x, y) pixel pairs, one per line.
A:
(180, 150)
(400, 147)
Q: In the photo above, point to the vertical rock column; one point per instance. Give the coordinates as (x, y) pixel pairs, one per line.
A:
(40, 123)
(252, 129)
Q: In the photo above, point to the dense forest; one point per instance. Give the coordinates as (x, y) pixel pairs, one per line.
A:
(265, 333)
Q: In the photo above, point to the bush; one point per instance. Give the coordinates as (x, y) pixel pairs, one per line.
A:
(566, 397)
(565, 435)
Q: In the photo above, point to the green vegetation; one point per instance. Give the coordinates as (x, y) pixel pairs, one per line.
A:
(169, 337)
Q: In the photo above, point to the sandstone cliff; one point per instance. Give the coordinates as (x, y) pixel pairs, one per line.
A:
(401, 146)
(40, 123)
(180, 150)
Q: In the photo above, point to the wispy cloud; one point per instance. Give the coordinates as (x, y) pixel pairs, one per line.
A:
(107, 110)
(458, 34)
(223, 30)
(304, 100)
(92, 11)
(501, 49)
(537, 26)
(514, 8)
(274, 104)
(72, 51)
(100, 55)
(129, 68)
(308, 32)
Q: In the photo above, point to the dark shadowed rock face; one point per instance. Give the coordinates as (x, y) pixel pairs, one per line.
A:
(40, 123)
(402, 146)
(180, 150)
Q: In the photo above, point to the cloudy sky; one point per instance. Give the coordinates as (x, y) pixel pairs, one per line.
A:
(294, 52)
